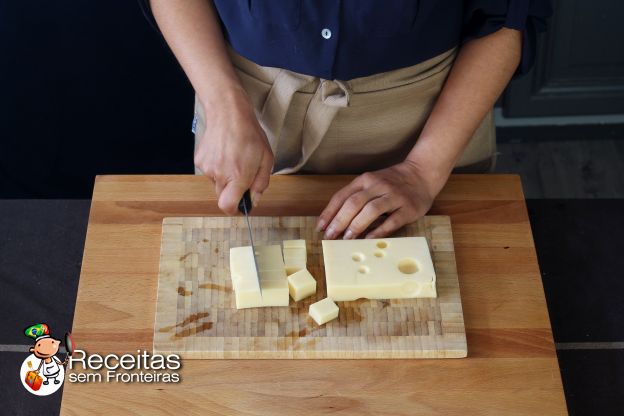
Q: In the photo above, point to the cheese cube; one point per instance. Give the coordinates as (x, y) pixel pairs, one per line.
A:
(272, 277)
(389, 268)
(301, 284)
(323, 311)
(295, 255)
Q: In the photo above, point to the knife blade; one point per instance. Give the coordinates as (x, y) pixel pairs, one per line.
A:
(245, 206)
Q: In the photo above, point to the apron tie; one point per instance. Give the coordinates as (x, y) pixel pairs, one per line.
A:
(329, 97)
(335, 93)
(277, 103)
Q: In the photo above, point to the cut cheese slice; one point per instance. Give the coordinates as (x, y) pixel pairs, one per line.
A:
(269, 258)
(390, 268)
(295, 255)
(294, 244)
(323, 311)
(243, 270)
(272, 277)
(301, 284)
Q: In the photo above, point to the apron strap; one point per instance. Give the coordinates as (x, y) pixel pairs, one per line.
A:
(330, 96)
(277, 103)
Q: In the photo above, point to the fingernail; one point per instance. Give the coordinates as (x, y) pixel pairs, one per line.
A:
(348, 235)
(320, 225)
(329, 233)
(255, 198)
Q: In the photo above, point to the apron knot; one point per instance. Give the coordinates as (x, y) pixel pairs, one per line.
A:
(334, 93)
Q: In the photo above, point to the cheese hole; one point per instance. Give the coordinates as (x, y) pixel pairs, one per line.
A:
(408, 266)
(357, 256)
(363, 269)
(382, 244)
(379, 253)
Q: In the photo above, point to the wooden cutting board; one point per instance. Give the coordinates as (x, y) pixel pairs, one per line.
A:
(196, 315)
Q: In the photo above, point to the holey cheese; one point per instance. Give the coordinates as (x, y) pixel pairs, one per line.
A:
(389, 268)
(272, 277)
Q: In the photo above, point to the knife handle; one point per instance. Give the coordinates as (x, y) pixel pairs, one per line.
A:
(245, 202)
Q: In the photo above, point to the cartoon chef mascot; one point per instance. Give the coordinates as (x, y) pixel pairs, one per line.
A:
(45, 349)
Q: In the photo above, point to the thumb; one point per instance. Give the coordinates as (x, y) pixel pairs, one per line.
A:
(231, 195)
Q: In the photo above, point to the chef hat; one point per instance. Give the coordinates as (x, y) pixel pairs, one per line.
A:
(37, 332)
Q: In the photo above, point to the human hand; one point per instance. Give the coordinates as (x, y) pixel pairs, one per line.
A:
(234, 152)
(402, 191)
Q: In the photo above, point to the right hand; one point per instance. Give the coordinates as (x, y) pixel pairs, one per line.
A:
(234, 151)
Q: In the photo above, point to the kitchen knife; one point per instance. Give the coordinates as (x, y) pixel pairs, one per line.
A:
(245, 206)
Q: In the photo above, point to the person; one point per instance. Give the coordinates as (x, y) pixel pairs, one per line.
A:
(399, 92)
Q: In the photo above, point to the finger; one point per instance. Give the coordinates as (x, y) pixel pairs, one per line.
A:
(351, 207)
(335, 203)
(218, 184)
(395, 221)
(218, 187)
(261, 181)
(371, 211)
(231, 195)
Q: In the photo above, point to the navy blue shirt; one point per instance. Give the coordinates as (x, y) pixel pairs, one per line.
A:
(345, 39)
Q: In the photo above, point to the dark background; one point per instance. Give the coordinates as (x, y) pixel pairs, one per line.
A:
(86, 87)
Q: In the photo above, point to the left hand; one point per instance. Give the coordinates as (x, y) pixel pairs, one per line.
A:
(402, 191)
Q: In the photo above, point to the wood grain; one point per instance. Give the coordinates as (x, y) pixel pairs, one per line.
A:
(511, 368)
(196, 315)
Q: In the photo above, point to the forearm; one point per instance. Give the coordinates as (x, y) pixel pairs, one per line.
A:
(191, 28)
(481, 71)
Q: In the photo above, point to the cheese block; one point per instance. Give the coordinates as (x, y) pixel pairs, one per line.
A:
(323, 311)
(301, 284)
(295, 255)
(272, 277)
(389, 268)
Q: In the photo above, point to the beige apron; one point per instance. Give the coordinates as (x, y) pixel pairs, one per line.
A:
(331, 126)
